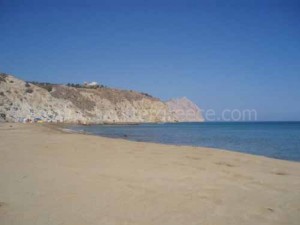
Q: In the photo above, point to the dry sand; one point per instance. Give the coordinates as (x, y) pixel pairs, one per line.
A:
(51, 177)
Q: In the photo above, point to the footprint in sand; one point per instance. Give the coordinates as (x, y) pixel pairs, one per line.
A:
(225, 164)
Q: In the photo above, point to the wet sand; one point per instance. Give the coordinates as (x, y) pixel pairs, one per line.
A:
(52, 177)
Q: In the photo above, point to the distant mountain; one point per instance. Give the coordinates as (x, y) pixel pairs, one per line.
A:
(21, 101)
(184, 109)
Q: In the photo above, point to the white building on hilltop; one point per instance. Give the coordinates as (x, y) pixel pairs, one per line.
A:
(91, 84)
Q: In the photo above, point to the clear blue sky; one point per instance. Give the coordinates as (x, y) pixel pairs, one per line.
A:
(220, 54)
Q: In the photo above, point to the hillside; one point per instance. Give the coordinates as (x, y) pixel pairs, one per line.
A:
(20, 101)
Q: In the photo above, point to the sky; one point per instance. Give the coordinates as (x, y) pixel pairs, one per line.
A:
(220, 54)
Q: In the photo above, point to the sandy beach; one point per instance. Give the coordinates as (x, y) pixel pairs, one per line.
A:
(48, 176)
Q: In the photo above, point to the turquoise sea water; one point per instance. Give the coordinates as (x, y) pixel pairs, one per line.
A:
(272, 139)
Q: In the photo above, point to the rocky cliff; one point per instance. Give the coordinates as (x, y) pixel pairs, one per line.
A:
(184, 109)
(20, 101)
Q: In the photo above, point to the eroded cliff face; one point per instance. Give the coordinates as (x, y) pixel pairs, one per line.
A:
(21, 101)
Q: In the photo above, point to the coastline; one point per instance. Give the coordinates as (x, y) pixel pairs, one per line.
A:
(250, 141)
(53, 176)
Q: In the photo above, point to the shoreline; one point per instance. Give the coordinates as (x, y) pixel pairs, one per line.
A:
(53, 176)
(62, 126)
(70, 131)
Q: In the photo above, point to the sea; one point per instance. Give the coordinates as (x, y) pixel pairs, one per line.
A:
(280, 140)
